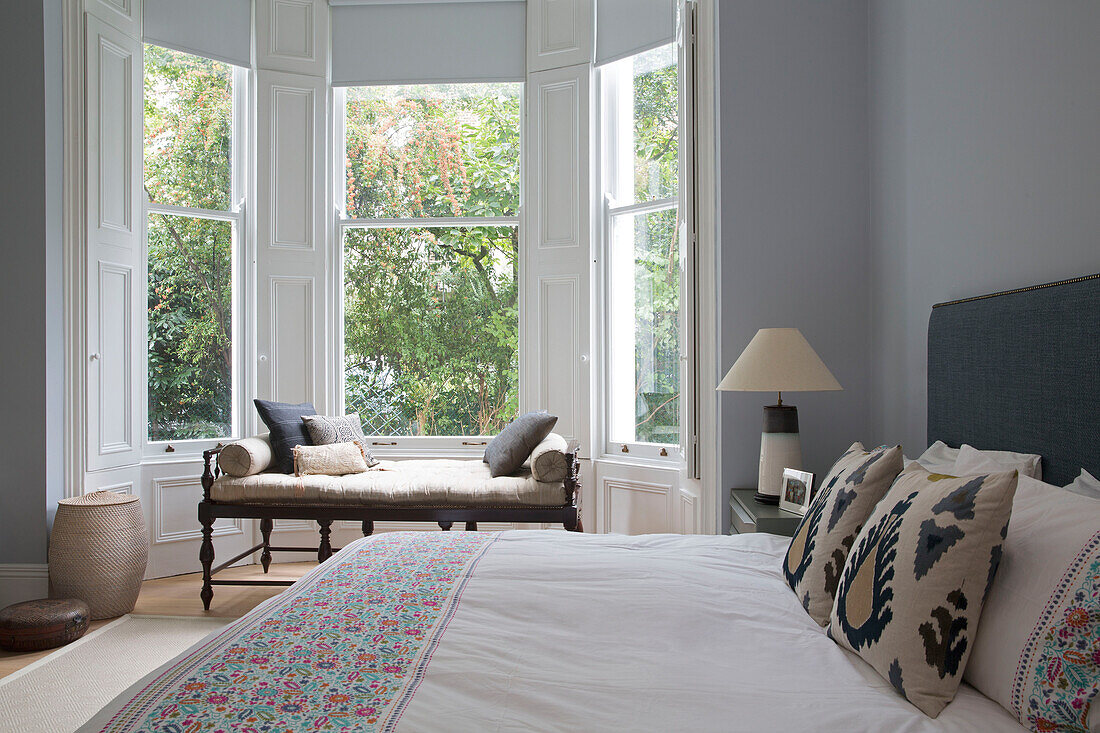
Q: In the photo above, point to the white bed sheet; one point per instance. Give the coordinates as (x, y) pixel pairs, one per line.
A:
(567, 632)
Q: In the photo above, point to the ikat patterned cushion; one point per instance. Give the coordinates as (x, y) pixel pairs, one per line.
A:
(820, 545)
(912, 590)
(327, 430)
(1038, 650)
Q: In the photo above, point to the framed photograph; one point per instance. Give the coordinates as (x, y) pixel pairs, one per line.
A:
(797, 490)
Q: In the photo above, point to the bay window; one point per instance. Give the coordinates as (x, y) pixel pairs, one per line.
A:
(193, 208)
(430, 244)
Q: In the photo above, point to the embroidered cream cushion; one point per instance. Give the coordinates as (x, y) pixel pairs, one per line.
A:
(334, 459)
(912, 589)
(820, 545)
(246, 457)
(1038, 650)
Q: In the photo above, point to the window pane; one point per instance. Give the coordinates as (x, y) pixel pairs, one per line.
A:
(644, 328)
(439, 150)
(431, 329)
(642, 107)
(188, 128)
(190, 327)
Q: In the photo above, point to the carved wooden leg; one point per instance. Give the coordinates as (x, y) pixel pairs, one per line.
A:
(580, 524)
(266, 525)
(324, 551)
(445, 526)
(368, 529)
(206, 555)
(572, 523)
(471, 526)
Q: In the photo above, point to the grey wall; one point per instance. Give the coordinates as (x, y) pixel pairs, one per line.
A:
(794, 213)
(30, 235)
(985, 168)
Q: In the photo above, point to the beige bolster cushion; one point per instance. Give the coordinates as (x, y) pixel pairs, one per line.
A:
(548, 463)
(333, 459)
(247, 456)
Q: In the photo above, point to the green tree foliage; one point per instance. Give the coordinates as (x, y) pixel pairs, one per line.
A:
(656, 247)
(188, 114)
(431, 315)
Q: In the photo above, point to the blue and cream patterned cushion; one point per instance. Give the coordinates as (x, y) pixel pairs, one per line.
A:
(327, 430)
(912, 590)
(820, 545)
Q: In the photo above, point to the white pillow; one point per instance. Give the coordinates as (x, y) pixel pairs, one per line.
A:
(1085, 485)
(939, 458)
(972, 461)
(1034, 652)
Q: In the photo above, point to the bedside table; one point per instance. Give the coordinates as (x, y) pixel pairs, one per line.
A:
(746, 515)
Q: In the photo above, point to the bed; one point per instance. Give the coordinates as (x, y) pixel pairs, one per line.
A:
(544, 630)
(533, 630)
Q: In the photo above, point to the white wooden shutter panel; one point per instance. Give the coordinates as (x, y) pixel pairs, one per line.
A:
(295, 342)
(291, 246)
(560, 33)
(557, 283)
(113, 63)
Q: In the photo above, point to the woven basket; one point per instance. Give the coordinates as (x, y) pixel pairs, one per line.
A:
(98, 551)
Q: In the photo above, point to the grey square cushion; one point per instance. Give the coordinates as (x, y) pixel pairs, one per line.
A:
(507, 452)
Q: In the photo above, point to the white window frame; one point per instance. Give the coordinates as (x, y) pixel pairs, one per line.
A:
(610, 210)
(409, 446)
(154, 450)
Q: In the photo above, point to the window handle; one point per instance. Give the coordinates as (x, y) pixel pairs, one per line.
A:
(625, 449)
(379, 442)
(475, 442)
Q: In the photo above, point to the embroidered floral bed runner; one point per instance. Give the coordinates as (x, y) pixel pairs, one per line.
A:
(344, 649)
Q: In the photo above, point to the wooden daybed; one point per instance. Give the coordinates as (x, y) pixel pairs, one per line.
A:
(440, 491)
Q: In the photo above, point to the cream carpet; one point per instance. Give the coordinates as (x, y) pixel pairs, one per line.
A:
(62, 691)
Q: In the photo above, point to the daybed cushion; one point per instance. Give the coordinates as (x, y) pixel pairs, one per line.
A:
(329, 429)
(332, 459)
(547, 461)
(284, 420)
(435, 483)
(507, 452)
(246, 456)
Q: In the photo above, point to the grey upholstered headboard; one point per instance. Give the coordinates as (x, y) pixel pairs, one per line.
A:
(1020, 371)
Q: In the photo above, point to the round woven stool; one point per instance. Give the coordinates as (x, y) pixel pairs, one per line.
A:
(98, 552)
(43, 624)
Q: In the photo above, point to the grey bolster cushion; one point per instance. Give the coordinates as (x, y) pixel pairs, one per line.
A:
(247, 456)
(548, 463)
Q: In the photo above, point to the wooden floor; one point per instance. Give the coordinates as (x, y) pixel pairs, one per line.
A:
(179, 596)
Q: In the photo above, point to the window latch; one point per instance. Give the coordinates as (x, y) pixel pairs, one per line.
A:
(475, 442)
(379, 442)
(625, 449)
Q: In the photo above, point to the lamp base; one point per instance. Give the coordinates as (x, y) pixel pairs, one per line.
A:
(780, 448)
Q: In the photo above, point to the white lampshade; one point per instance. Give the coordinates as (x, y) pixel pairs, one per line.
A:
(779, 360)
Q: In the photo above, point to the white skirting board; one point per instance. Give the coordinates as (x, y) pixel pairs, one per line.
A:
(23, 582)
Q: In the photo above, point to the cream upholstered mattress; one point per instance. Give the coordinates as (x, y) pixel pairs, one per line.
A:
(436, 482)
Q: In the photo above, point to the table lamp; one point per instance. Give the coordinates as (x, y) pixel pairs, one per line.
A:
(778, 360)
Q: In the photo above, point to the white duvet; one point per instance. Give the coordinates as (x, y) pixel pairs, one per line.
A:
(567, 632)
